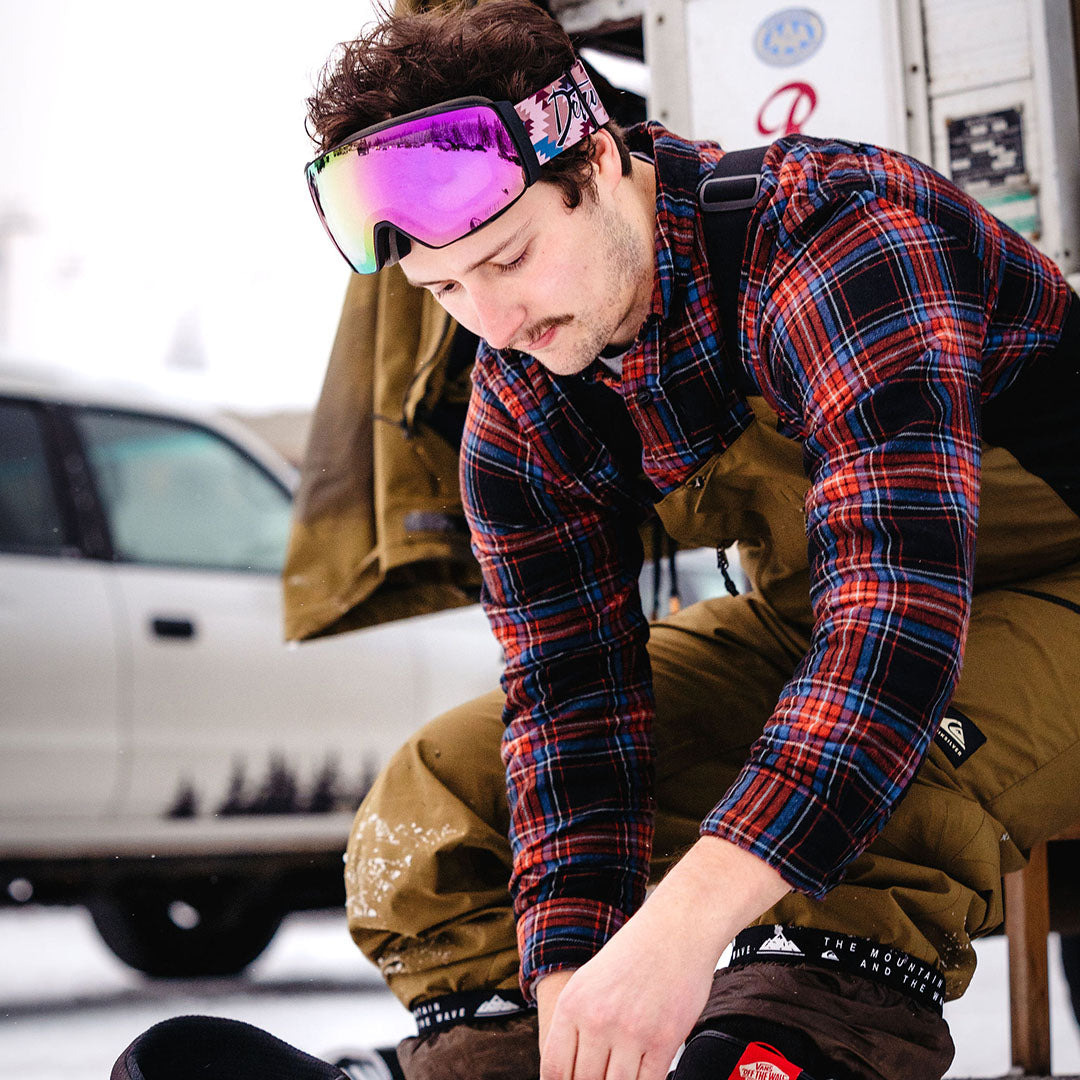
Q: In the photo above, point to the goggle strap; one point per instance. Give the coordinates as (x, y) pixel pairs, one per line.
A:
(562, 114)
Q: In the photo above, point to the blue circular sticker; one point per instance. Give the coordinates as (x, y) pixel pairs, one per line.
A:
(789, 37)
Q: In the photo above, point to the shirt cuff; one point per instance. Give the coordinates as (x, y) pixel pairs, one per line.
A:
(798, 834)
(557, 935)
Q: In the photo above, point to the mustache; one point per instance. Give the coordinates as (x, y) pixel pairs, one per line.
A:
(538, 330)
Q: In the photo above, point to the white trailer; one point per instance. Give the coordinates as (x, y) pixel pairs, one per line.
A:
(983, 90)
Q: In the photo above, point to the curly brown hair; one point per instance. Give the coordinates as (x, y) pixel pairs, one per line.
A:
(503, 50)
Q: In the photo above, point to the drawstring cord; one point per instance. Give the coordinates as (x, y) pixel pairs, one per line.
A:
(663, 544)
(722, 566)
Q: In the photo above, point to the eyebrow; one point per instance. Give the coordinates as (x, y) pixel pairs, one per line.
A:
(508, 242)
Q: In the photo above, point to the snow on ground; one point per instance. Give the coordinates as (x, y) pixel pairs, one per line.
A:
(68, 1007)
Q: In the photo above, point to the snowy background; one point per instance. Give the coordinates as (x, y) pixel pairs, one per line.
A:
(155, 225)
(67, 1007)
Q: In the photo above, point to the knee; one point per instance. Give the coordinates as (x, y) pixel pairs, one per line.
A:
(437, 813)
(453, 759)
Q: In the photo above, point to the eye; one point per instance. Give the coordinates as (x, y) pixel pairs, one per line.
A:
(505, 268)
(442, 291)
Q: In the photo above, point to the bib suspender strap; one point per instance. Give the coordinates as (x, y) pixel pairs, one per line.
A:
(726, 198)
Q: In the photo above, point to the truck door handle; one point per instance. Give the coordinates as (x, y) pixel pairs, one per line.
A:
(173, 629)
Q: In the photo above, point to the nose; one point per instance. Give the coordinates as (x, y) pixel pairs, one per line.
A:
(498, 316)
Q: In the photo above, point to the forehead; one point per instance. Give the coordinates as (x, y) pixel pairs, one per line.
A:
(532, 213)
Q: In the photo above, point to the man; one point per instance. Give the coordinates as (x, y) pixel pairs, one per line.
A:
(808, 759)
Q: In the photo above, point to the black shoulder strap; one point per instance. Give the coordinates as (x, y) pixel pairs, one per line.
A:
(726, 198)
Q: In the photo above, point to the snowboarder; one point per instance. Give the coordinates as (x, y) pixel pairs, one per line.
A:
(831, 771)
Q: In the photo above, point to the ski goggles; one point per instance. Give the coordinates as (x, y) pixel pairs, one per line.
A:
(438, 174)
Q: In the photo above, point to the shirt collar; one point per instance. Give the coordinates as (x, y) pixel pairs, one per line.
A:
(680, 166)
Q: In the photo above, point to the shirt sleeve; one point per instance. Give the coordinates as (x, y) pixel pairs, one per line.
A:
(560, 557)
(873, 343)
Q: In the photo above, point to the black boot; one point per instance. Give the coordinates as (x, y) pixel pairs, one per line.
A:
(212, 1048)
(742, 1050)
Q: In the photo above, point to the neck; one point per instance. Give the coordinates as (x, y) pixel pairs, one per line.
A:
(643, 175)
(641, 212)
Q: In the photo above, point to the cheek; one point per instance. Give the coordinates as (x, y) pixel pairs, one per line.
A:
(586, 261)
(557, 279)
(459, 307)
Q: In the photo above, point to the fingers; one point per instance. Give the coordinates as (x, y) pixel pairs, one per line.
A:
(623, 1064)
(612, 1053)
(591, 1060)
(618, 1063)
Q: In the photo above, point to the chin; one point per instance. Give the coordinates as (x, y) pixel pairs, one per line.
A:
(569, 361)
(565, 365)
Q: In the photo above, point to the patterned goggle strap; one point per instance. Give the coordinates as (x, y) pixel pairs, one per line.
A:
(563, 113)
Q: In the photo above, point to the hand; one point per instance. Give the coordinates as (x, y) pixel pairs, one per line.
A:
(624, 1014)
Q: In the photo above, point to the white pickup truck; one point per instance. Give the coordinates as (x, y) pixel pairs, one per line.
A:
(164, 758)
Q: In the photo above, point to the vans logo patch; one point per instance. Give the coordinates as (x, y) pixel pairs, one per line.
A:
(762, 1062)
(762, 1070)
(958, 736)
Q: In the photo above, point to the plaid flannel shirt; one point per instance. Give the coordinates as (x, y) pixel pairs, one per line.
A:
(879, 306)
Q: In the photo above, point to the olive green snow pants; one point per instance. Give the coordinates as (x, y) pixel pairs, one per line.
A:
(428, 860)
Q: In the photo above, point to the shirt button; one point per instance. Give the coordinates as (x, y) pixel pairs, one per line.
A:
(643, 397)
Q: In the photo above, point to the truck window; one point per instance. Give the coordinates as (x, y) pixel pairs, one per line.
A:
(175, 494)
(30, 518)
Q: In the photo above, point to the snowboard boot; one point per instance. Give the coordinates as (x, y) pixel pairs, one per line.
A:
(745, 1050)
(212, 1048)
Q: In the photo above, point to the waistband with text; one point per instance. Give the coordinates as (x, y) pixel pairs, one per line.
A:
(852, 955)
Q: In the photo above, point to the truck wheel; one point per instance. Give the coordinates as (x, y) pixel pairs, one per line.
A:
(185, 928)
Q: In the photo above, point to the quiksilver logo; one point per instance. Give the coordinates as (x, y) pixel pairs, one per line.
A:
(954, 726)
(958, 737)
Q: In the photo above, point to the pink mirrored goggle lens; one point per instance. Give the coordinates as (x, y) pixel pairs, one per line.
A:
(434, 178)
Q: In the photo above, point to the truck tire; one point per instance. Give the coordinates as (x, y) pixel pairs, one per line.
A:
(175, 929)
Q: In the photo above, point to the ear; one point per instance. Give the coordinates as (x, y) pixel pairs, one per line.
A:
(606, 161)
